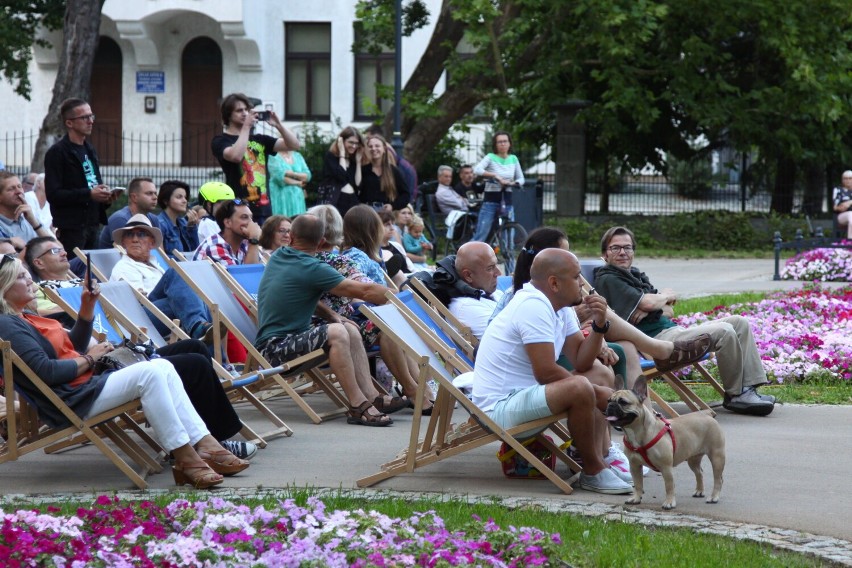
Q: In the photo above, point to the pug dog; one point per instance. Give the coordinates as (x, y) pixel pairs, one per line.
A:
(651, 440)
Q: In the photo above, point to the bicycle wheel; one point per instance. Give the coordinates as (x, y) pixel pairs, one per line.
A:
(511, 238)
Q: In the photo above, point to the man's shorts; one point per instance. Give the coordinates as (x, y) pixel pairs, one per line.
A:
(521, 405)
(279, 350)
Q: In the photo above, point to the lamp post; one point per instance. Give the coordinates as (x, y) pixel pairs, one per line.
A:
(396, 141)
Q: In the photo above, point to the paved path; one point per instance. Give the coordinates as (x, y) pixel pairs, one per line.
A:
(789, 470)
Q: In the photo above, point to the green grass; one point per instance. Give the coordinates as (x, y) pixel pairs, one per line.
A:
(587, 542)
(707, 303)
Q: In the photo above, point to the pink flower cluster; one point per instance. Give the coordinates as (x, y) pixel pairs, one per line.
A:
(822, 265)
(217, 532)
(801, 334)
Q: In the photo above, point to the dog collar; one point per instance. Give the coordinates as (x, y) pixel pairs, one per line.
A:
(643, 450)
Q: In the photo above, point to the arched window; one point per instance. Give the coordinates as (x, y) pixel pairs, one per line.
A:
(105, 101)
(201, 81)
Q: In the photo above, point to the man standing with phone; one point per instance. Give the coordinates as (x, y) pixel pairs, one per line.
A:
(243, 155)
(76, 192)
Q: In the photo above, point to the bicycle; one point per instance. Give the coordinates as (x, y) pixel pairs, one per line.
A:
(506, 237)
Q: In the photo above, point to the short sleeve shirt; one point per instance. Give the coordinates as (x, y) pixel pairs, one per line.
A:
(247, 178)
(289, 290)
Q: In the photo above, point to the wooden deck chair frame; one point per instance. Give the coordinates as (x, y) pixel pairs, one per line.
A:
(27, 436)
(435, 318)
(686, 395)
(445, 312)
(237, 387)
(308, 364)
(99, 267)
(440, 440)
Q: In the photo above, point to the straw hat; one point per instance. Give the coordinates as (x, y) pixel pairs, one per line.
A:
(139, 221)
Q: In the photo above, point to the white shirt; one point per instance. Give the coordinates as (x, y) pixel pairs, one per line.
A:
(502, 363)
(43, 214)
(207, 226)
(142, 276)
(475, 313)
(448, 200)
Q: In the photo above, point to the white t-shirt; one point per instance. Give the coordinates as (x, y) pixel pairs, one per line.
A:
(502, 364)
(207, 226)
(43, 214)
(475, 313)
(142, 276)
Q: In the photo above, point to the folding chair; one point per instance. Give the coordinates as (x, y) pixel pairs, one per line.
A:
(127, 306)
(504, 283)
(441, 440)
(445, 312)
(28, 434)
(428, 317)
(214, 291)
(103, 261)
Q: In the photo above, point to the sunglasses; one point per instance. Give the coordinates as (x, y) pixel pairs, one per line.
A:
(54, 251)
(6, 259)
(140, 233)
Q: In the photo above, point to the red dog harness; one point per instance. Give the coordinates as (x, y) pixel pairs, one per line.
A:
(643, 451)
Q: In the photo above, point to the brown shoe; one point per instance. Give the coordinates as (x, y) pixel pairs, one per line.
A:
(685, 352)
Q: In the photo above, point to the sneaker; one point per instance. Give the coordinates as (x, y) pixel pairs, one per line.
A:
(605, 481)
(749, 402)
(620, 464)
(766, 397)
(243, 450)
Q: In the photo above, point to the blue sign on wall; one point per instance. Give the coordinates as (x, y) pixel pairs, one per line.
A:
(150, 82)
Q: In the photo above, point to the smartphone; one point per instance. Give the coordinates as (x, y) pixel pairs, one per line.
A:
(264, 115)
(88, 272)
(116, 191)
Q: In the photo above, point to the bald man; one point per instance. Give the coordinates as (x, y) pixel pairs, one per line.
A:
(516, 377)
(476, 265)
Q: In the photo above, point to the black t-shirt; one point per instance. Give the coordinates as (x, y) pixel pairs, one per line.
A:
(248, 178)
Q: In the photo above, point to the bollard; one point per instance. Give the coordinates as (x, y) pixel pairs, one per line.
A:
(777, 240)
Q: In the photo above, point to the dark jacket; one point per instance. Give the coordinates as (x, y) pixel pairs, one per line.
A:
(39, 355)
(446, 283)
(66, 188)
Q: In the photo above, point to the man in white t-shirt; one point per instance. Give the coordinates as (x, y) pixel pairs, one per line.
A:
(516, 377)
(476, 264)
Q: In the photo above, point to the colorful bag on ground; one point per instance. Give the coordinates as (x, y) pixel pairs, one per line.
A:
(516, 467)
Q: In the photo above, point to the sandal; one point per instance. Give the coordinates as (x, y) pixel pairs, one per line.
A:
(396, 403)
(685, 352)
(223, 461)
(197, 474)
(359, 415)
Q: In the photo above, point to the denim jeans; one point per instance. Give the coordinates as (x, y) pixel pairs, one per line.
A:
(489, 211)
(176, 300)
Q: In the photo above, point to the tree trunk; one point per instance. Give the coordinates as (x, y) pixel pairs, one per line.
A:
(73, 77)
(785, 178)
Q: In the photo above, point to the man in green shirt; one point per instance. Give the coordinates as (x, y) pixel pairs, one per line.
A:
(289, 293)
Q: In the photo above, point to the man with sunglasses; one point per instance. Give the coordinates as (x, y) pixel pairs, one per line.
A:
(18, 221)
(631, 295)
(238, 241)
(76, 192)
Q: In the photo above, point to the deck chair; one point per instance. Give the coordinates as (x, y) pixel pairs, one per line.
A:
(69, 299)
(504, 283)
(441, 440)
(27, 434)
(224, 306)
(686, 395)
(126, 306)
(103, 261)
(438, 306)
(245, 282)
(431, 319)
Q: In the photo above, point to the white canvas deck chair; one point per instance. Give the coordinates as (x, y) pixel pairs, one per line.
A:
(687, 395)
(207, 281)
(126, 307)
(26, 433)
(103, 261)
(441, 440)
(445, 312)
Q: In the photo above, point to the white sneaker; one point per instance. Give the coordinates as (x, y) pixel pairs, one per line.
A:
(605, 481)
(619, 462)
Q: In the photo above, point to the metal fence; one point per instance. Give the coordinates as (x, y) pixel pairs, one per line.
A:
(125, 155)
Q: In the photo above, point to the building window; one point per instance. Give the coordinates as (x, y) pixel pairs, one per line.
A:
(372, 69)
(308, 68)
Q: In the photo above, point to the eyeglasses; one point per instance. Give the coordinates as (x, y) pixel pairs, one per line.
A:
(86, 117)
(6, 259)
(284, 231)
(53, 250)
(615, 249)
(140, 233)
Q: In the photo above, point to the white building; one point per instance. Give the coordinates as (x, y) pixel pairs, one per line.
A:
(163, 65)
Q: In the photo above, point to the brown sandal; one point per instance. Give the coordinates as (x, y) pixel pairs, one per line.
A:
(359, 415)
(223, 462)
(396, 403)
(197, 474)
(685, 352)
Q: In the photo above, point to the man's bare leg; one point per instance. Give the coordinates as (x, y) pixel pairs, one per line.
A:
(620, 330)
(579, 398)
(344, 365)
(400, 367)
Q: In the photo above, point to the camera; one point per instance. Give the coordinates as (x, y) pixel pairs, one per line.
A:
(264, 115)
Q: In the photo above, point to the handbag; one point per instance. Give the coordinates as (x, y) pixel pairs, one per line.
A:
(328, 194)
(128, 354)
(515, 466)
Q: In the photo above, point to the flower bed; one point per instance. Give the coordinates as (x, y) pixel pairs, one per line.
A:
(820, 264)
(801, 334)
(217, 532)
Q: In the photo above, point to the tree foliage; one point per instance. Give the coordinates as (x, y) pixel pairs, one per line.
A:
(19, 20)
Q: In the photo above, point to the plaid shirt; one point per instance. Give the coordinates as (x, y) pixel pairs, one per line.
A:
(218, 250)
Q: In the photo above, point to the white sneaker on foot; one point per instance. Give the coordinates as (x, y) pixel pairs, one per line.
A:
(605, 481)
(619, 462)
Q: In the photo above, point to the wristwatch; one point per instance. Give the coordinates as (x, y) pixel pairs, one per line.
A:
(598, 329)
(257, 242)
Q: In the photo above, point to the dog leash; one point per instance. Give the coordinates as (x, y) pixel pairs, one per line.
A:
(643, 450)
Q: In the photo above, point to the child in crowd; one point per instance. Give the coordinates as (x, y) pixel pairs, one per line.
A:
(403, 220)
(415, 243)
